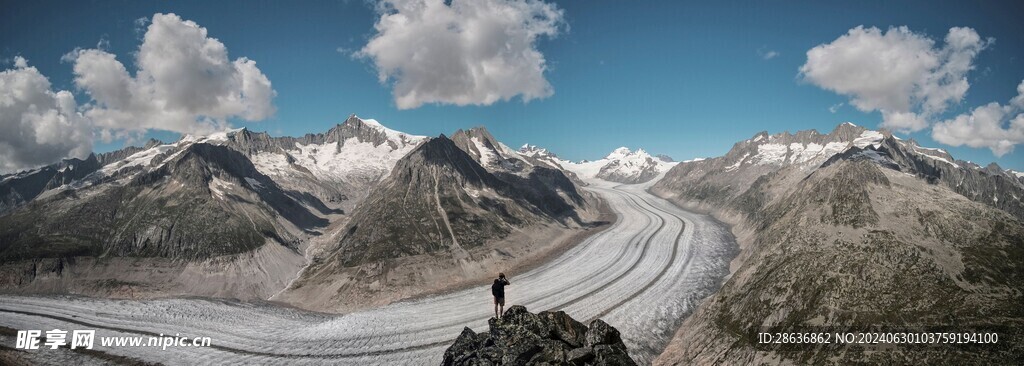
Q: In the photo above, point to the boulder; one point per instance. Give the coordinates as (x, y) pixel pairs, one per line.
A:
(547, 338)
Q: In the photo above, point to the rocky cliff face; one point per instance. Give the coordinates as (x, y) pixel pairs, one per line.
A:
(872, 236)
(548, 338)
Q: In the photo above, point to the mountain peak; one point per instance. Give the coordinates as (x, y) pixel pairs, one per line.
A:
(847, 131)
(370, 130)
(533, 150)
(619, 153)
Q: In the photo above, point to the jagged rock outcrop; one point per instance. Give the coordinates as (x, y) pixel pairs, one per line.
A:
(547, 338)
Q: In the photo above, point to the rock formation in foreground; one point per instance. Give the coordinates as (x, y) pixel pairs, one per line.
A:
(547, 338)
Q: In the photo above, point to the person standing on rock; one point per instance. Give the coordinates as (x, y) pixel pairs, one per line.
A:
(498, 290)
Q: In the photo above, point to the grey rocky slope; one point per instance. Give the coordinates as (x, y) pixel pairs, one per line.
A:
(547, 338)
(437, 220)
(189, 206)
(872, 234)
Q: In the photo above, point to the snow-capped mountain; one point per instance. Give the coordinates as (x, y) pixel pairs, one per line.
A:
(355, 151)
(336, 166)
(440, 207)
(806, 151)
(489, 152)
(621, 165)
(541, 155)
(201, 209)
(239, 213)
(853, 219)
(20, 188)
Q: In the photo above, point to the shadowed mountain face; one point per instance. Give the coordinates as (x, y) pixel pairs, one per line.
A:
(438, 198)
(537, 175)
(879, 233)
(204, 201)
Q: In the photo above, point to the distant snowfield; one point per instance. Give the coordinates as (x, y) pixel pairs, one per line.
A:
(621, 162)
(642, 275)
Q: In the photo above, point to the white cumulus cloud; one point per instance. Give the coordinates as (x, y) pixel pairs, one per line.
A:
(984, 126)
(184, 82)
(39, 126)
(900, 73)
(468, 52)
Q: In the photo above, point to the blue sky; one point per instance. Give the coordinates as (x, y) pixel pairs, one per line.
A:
(687, 80)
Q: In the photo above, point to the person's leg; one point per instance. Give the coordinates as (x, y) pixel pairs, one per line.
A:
(501, 307)
(496, 314)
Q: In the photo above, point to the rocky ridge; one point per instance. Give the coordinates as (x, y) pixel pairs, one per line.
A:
(547, 338)
(876, 234)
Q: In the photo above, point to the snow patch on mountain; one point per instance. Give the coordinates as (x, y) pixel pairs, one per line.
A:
(398, 137)
(736, 165)
(942, 159)
(868, 138)
(141, 158)
(487, 156)
(770, 154)
(347, 161)
(218, 186)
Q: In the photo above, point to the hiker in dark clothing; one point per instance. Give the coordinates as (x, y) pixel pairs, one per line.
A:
(498, 290)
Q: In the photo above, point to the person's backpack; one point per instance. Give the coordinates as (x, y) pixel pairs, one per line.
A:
(497, 288)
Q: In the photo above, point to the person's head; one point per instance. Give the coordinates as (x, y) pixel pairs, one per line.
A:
(501, 275)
